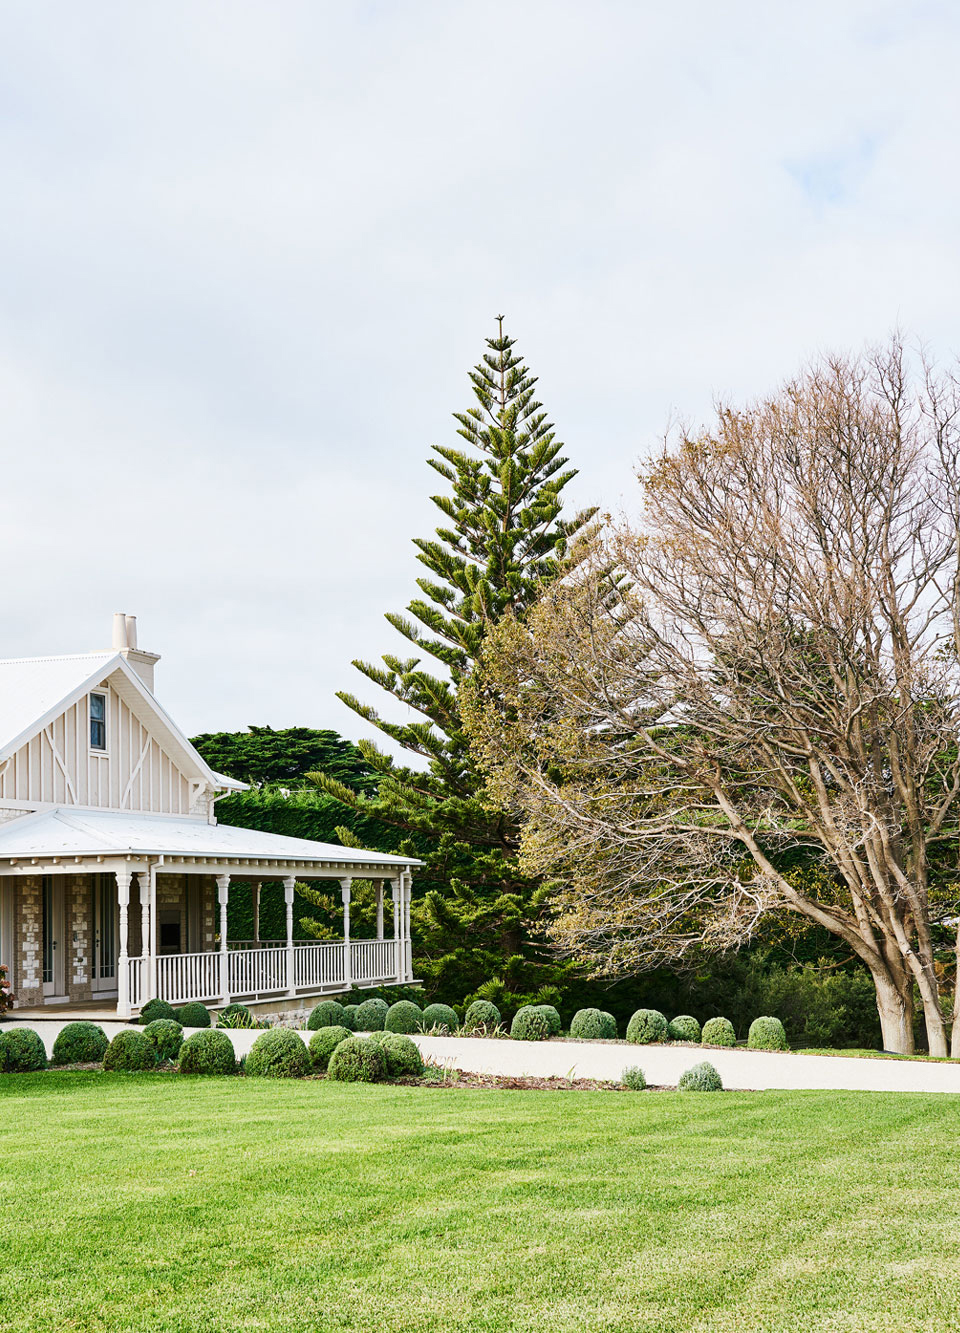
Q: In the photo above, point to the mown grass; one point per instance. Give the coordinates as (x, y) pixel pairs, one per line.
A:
(163, 1203)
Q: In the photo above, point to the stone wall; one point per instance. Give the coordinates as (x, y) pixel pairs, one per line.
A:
(78, 892)
(27, 907)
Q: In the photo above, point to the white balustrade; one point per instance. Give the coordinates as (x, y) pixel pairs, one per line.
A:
(137, 974)
(188, 976)
(317, 966)
(372, 960)
(256, 971)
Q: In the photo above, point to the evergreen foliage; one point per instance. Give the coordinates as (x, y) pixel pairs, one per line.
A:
(324, 1042)
(401, 1055)
(154, 1009)
(326, 1014)
(207, 1052)
(193, 1014)
(481, 1016)
(633, 1079)
(701, 1078)
(647, 1025)
(530, 1024)
(22, 1051)
(131, 1052)
(371, 1015)
(166, 1035)
(593, 1025)
(277, 1053)
(767, 1034)
(718, 1032)
(683, 1028)
(358, 1060)
(404, 1016)
(79, 1043)
(439, 1016)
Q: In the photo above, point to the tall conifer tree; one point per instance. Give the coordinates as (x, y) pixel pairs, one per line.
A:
(501, 538)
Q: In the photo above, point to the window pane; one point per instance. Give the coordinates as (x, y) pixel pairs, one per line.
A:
(97, 706)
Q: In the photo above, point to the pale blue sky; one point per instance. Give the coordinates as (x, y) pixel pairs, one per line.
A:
(249, 252)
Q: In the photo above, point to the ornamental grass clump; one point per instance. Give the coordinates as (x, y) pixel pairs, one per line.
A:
(683, 1028)
(278, 1053)
(358, 1060)
(647, 1025)
(632, 1079)
(193, 1015)
(22, 1051)
(323, 1043)
(401, 1055)
(154, 1009)
(166, 1036)
(404, 1016)
(701, 1078)
(208, 1052)
(529, 1024)
(593, 1025)
(552, 1016)
(767, 1034)
(80, 1044)
(718, 1032)
(481, 1016)
(439, 1018)
(326, 1014)
(130, 1052)
(371, 1015)
(236, 1016)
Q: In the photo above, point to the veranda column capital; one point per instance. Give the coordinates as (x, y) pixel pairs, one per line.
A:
(345, 889)
(223, 889)
(289, 885)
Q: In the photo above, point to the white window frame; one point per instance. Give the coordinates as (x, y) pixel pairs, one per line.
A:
(94, 749)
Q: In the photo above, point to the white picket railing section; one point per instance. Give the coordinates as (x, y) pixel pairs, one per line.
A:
(317, 966)
(255, 971)
(188, 976)
(373, 960)
(137, 969)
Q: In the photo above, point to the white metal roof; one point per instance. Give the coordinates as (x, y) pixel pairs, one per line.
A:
(65, 832)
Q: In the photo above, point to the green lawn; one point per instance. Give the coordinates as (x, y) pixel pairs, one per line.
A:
(155, 1202)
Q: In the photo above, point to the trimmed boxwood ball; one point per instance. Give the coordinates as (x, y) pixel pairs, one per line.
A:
(235, 1016)
(208, 1052)
(278, 1053)
(529, 1024)
(22, 1051)
(633, 1079)
(326, 1014)
(193, 1015)
(154, 1009)
(481, 1016)
(324, 1042)
(371, 1015)
(701, 1078)
(439, 1016)
(401, 1054)
(349, 1018)
(767, 1034)
(130, 1050)
(358, 1060)
(683, 1028)
(593, 1025)
(167, 1037)
(647, 1025)
(80, 1043)
(553, 1018)
(404, 1016)
(718, 1032)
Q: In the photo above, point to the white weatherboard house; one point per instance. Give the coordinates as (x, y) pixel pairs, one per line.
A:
(114, 873)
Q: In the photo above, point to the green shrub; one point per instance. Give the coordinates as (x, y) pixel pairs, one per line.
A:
(22, 1051)
(767, 1034)
(154, 1009)
(358, 1060)
(236, 1016)
(683, 1028)
(553, 1018)
(633, 1079)
(130, 1050)
(701, 1078)
(371, 1015)
(208, 1052)
(593, 1025)
(326, 1014)
(79, 1043)
(718, 1032)
(278, 1053)
(439, 1016)
(481, 1016)
(193, 1015)
(400, 1053)
(349, 1017)
(166, 1036)
(647, 1025)
(324, 1042)
(404, 1016)
(529, 1024)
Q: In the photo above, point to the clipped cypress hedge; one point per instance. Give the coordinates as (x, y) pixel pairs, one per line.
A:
(22, 1051)
(553, 1018)
(529, 1024)
(358, 1060)
(208, 1052)
(326, 1014)
(130, 1051)
(593, 1025)
(718, 1032)
(404, 1017)
(481, 1016)
(647, 1025)
(701, 1078)
(323, 1043)
(166, 1036)
(439, 1016)
(371, 1015)
(683, 1028)
(767, 1034)
(401, 1055)
(193, 1015)
(80, 1043)
(154, 1009)
(278, 1053)
(349, 1019)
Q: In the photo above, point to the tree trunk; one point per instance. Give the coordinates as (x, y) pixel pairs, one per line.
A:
(955, 1034)
(895, 1008)
(934, 1022)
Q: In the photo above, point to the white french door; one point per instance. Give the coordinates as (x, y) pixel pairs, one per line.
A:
(106, 913)
(53, 937)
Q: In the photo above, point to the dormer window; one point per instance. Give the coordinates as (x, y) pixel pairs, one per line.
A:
(98, 722)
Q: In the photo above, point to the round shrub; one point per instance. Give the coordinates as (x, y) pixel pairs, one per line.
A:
(400, 1053)
(208, 1052)
(552, 1017)
(647, 1025)
(481, 1016)
(349, 1017)
(326, 1014)
(404, 1016)
(371, 1015)
(324, 1042)
(439, 1016)
(683, 1028)
(767, 1034)
(167, 1037)
(130, 1050)
(193, 1015)
(154, 1009)
(633, 1079)
(22, 1052)
(235, 1016)
(718, 1032)
(701, 1078)
(79, 1043)
(593, 1025)
(358, 1060)
(278, 1053)
(529, 1024)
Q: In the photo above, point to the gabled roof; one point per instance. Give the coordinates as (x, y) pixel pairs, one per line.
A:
(36, 690)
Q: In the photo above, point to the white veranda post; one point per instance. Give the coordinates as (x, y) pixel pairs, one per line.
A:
(143, 888)
(223, 893)
(379, 909)
(395, 894)
(347, 969)
(407, 941)
(289, 885)
(123, 978)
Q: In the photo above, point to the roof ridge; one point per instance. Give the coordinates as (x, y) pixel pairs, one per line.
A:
(59, 657)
